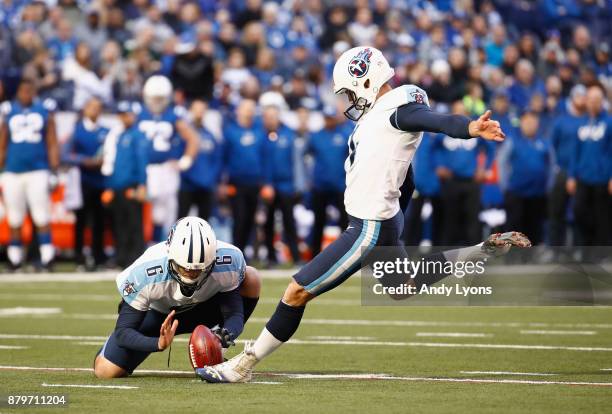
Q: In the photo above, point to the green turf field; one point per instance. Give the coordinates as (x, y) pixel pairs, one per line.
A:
(344, 357)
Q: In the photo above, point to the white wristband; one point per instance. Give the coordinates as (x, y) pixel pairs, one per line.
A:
(185, 162)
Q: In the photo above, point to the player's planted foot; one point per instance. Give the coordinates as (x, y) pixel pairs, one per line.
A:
(237, 369)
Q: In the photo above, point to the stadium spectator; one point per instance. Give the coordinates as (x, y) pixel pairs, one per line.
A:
(124, 166)
(63, 45)
(363, 30)
(91, 31)
(281, 162)
(244, 160)
(444, 88)
(87, 83)
(42, 71)
(329, 148)
(590, 172)
(84, 150)
(199, 183)
(563, 135)
(192, 71)
(524, 165)
(115, 26)
(525, 85)
(427, 191)
(457, 167)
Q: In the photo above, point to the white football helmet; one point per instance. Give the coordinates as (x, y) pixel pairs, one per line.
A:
(192, 252)
(157, 93)
(360, 72)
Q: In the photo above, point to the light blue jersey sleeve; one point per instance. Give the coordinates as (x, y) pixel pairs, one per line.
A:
(230, 267)
(136, 283)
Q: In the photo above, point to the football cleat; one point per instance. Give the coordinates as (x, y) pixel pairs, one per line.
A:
(498, 244)
(237, 369)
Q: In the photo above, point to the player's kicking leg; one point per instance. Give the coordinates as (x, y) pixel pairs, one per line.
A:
(327, 270)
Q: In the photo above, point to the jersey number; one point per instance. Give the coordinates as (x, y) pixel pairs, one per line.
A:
(26, 128)
(158, 132)
(155, 270)
(224, 260)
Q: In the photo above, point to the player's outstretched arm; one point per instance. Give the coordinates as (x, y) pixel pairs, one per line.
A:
(416, 117)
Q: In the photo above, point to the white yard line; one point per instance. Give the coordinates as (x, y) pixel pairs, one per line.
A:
(528, 374)
(104, 276)
(54, 337)
(454, 334)
(548, 332)
(22, 310)
(454, 345)
(14, 347)
(366, 322)
(350, 342)
(334, 322)
(437, 379)
(383, 377)
(342, 338)
(52, 297)
(117, 387)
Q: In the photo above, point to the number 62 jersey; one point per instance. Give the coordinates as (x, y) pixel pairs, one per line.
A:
(27, 129)
(146, 284)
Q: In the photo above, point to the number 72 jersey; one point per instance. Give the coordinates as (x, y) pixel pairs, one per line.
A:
(27, 129)
(160, 130)
(146, 284)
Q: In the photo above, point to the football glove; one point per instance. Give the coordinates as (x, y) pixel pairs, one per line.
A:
(225, 336)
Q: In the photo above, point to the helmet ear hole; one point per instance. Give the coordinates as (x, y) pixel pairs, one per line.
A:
(366, 85)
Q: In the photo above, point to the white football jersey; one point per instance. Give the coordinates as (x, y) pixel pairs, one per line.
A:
(146, 284)
(379, 157)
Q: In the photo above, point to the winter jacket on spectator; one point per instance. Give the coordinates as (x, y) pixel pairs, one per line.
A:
(461, 156)
(564, 133)
(591, 160)
(427, 183)
(525, 164)
(329, 148)
(87, 142)
(206, 169)
(244, 154)
(125, 158)
(281, 159)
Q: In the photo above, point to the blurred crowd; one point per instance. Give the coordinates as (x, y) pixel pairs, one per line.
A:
(264, 68)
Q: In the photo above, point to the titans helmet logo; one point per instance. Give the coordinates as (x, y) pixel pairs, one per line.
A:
(359, 65)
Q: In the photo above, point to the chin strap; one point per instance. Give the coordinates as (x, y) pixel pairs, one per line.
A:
(169, 353)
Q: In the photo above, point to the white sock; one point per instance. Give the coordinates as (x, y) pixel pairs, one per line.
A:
(265, 344)
(46, 253)
(465, 254)
(15, 255)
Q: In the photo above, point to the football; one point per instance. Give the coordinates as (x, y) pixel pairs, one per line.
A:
(204, 348)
